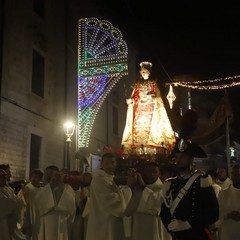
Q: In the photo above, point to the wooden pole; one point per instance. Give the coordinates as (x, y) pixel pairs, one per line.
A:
(228, 148)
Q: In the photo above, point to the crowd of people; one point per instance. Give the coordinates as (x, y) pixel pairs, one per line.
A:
(154, 202)
(151, 201)
(49, 205)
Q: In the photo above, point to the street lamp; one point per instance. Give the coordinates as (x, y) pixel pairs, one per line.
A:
(69, 128)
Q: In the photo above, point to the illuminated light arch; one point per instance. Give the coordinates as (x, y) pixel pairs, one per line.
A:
(102, 61)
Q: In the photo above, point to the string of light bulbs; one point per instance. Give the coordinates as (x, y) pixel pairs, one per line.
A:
(201, 84)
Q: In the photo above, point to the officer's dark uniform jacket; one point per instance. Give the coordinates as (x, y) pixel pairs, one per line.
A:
(199, 206)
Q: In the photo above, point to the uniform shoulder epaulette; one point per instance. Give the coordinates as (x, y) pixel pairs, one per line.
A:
(205, 181)
(167, 183)
(170, 179)
(199, 171)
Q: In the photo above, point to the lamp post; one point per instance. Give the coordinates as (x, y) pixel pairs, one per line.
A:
(69, 128)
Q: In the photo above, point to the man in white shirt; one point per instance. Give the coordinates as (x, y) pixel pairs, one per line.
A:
(57, 208)
(146, 221)
(29, 213)
(229, 208)
(223, 180)
(10, 207)
(217, 188)
(107, 203)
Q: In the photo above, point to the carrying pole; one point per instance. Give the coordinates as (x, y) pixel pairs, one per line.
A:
(228, 148)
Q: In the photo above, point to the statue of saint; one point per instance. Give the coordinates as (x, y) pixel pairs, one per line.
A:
(148, 127)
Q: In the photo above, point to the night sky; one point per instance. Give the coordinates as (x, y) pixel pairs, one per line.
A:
(184, 38)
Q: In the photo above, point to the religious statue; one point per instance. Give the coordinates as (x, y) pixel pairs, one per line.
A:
(148, 127)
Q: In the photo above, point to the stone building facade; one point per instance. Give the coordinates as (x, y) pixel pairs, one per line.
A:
(38, 84)
(33, 70)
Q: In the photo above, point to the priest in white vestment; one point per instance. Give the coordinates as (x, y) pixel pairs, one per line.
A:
(57, 208)
(29, 214)
(146, 221)
(229, 208)
(223, 179)
(107, 203)
(10, 207)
